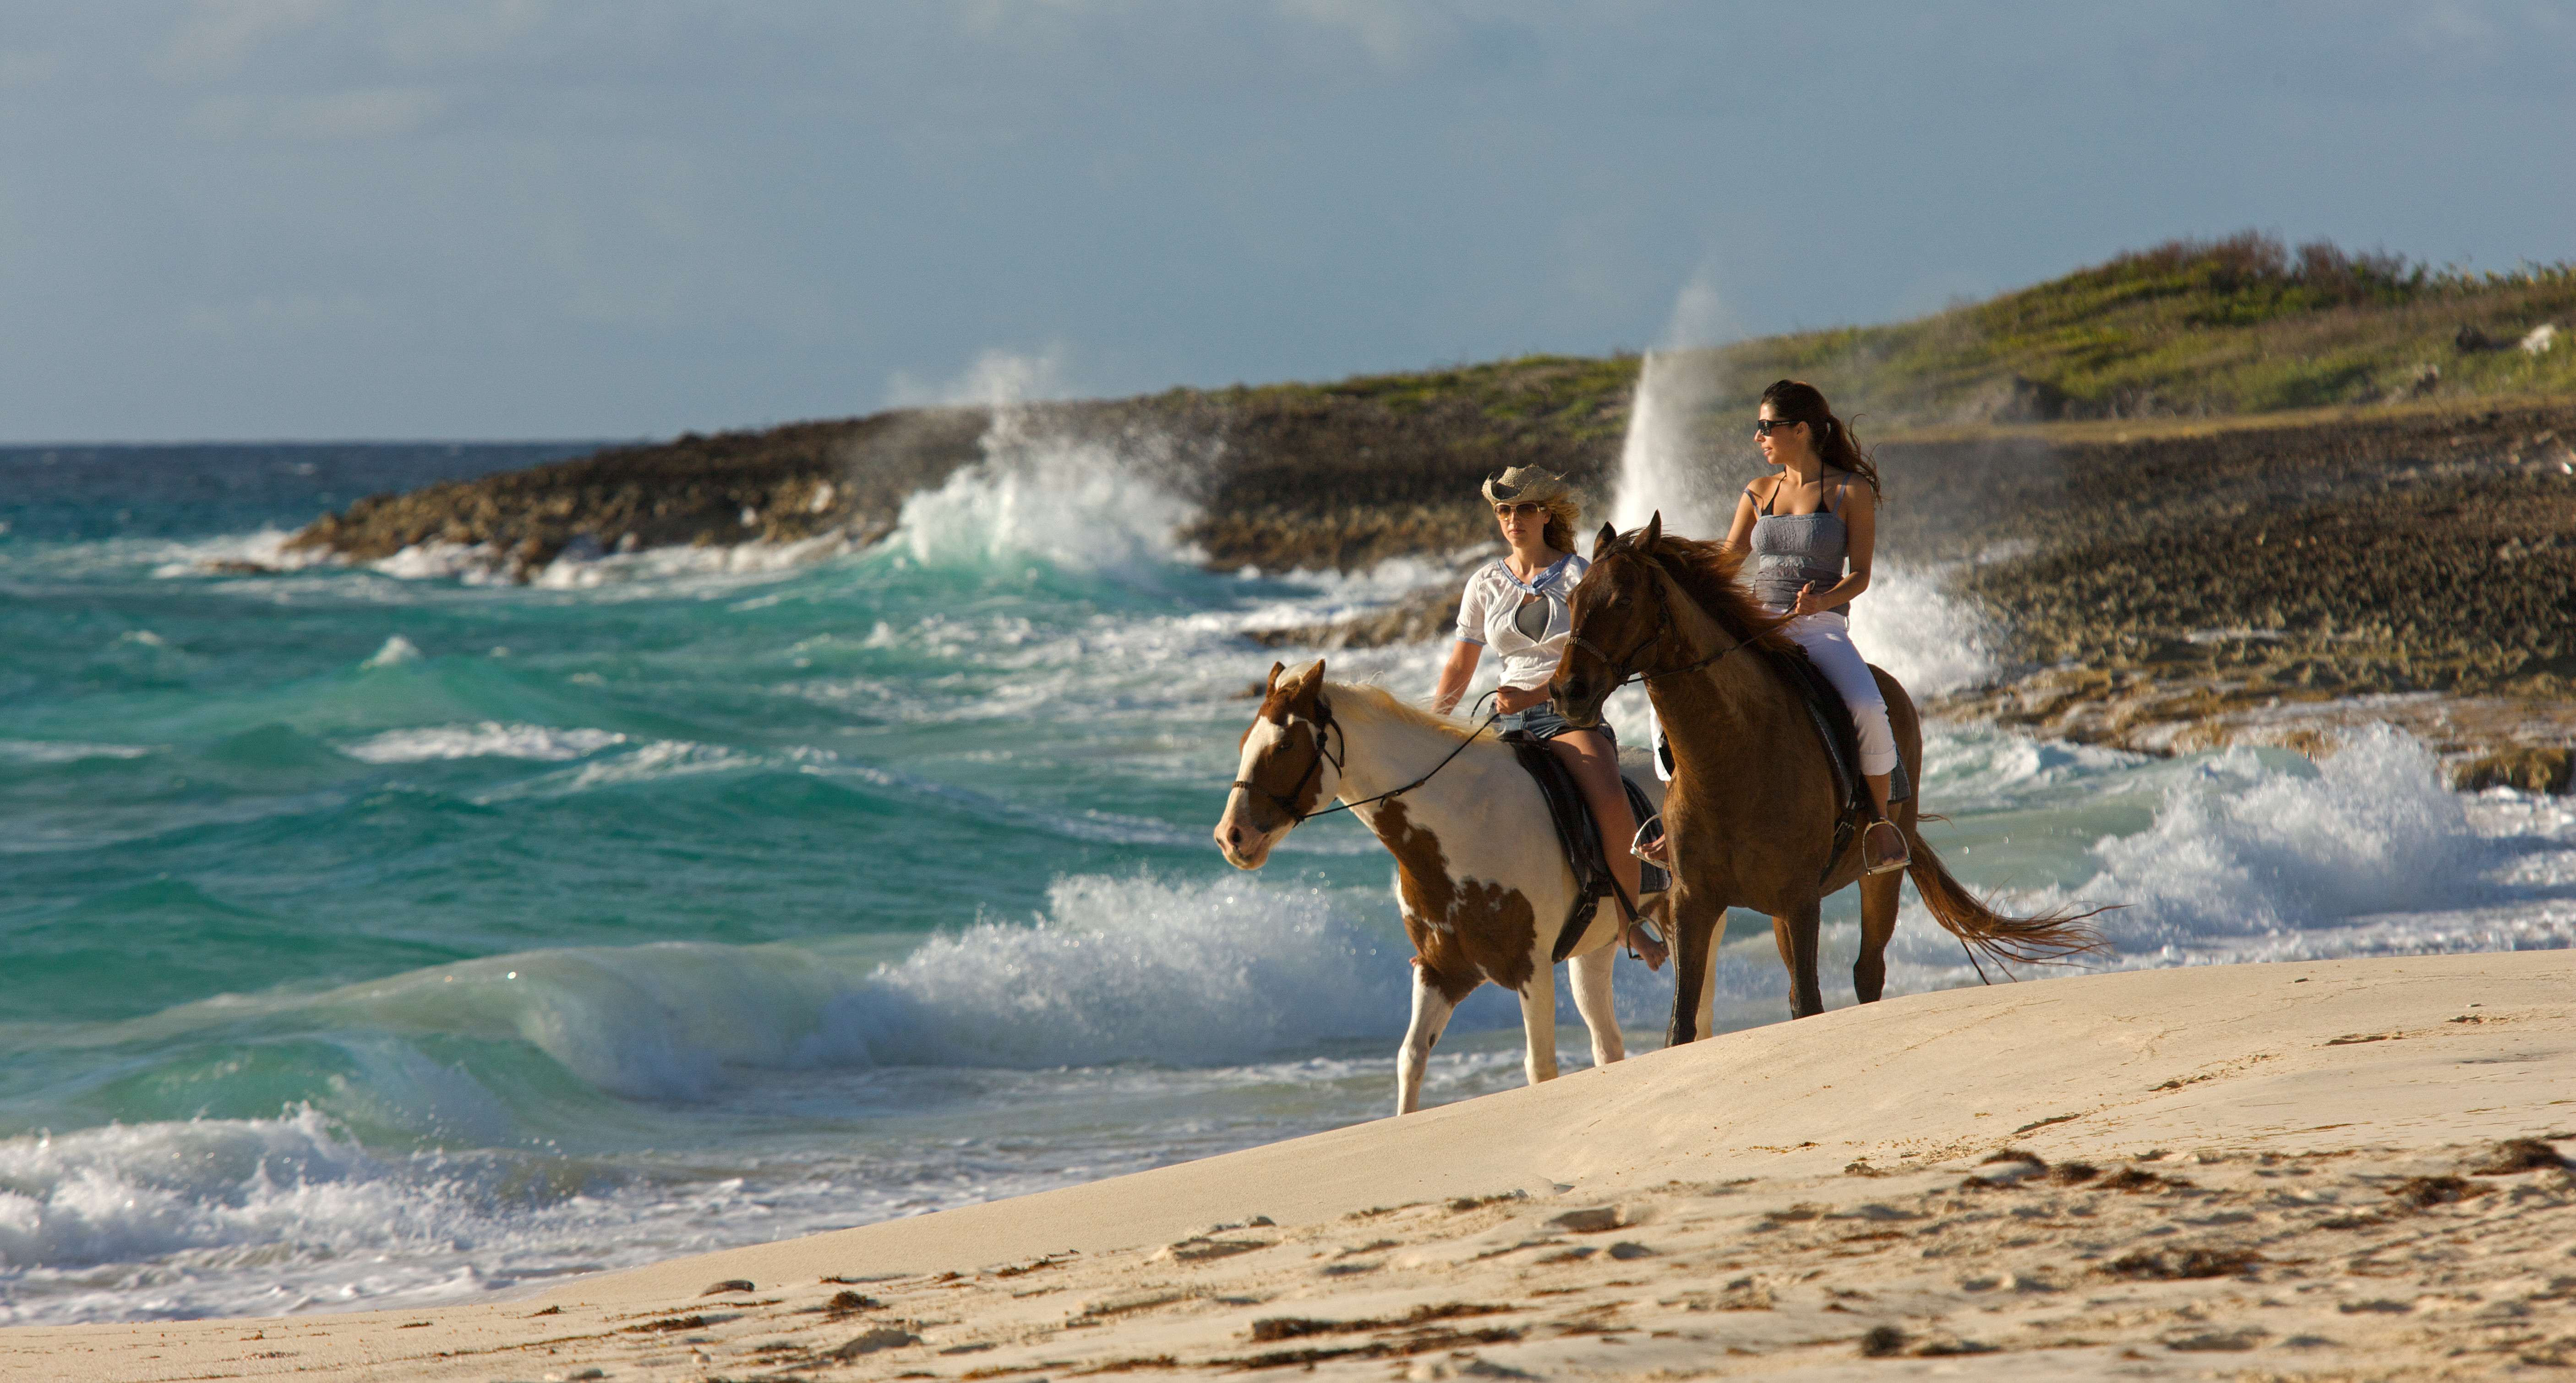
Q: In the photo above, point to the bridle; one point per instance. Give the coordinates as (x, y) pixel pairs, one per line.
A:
(1324, 725)
(1625, 665)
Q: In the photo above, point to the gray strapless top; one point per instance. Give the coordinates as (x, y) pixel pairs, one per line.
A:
(1790, 550)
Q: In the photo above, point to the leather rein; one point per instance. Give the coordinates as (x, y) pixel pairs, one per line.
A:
(1325, 725)
(1626, 666)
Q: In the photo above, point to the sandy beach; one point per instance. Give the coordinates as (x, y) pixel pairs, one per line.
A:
(640, 640)
(2341, 1170)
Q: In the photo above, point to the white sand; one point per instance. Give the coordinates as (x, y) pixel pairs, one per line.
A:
(2247, 1171)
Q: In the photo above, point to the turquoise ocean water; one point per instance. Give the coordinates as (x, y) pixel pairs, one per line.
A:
(395, 935)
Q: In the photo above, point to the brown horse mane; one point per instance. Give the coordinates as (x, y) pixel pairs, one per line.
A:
(1706, 573)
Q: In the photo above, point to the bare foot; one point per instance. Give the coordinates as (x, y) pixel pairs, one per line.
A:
(1646, 946)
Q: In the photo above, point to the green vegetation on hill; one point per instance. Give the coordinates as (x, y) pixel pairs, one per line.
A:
(2189, 328)
(2233, 326)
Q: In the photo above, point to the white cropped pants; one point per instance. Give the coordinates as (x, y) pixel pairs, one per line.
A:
(1827, 639)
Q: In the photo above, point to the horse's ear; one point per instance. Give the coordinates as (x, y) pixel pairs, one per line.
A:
(1602, 540)
(1654, 531)
(1304, 686)
(1273, 684)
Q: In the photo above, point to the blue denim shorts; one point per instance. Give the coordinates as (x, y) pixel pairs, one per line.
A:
(1543, 723)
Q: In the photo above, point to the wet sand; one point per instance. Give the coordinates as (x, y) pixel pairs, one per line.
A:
(2346, 1169)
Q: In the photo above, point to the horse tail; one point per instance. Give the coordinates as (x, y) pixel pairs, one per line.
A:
(2052, 935)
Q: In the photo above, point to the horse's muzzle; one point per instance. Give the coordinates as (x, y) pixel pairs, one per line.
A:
(1244, 845)
(1580, 710)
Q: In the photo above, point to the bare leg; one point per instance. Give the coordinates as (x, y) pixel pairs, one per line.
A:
(1596, 771)
(1431, 1010)
(1538, 1021)
(1591, 974)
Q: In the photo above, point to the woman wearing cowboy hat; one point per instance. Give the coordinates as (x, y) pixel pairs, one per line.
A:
(1516, 605)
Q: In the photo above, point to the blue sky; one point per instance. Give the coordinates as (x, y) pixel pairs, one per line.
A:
(511, 218)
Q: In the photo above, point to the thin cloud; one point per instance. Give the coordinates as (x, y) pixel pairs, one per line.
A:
(340, 115)
(218, 35)
(357, 114)
(1390, 35)
(21, 69)
(427, 34)
(278, 314)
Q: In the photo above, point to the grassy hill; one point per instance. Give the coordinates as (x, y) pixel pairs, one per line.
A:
(2242, 325)
(2234, 326)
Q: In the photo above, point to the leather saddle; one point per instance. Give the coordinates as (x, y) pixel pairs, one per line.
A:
(1832, 718)
(1580, 836)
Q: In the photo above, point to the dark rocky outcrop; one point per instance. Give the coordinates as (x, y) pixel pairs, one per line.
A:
(1287, 475)
(779, 485)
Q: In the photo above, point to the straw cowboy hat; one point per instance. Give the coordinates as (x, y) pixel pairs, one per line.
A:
(1530, 485)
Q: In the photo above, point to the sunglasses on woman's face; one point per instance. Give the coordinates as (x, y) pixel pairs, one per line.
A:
(1762, 426)
(1505, 511)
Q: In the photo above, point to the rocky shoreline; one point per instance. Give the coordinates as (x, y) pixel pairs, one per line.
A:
(1283, 476)
(2275, 584)
(2166, 584)
(2181, 585)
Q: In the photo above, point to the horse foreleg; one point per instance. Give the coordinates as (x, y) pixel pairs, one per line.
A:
(1694, 971)
(1795, 934)
(1877, 924)
(1708, 992)
(1591, 973)
(1538, 1020)
(1431, 1010)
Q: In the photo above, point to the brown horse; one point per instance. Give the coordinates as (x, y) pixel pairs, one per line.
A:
(1752, 809)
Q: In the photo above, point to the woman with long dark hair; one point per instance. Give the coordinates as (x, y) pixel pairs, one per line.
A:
(1812, 533)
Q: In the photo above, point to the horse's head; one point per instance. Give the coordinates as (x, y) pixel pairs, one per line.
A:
(1618, 612)
(1285, 772)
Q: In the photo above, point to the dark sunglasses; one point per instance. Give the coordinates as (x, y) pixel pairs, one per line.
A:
(1762, 426)
(1505, 511)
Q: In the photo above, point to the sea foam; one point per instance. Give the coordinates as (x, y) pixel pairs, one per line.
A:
(1116, 969)
(1079, 504)
(2254, 856)
(488, 739)
(2249, 852)
(1129, 969)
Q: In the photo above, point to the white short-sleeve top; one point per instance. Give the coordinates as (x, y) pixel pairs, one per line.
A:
(1525, 622)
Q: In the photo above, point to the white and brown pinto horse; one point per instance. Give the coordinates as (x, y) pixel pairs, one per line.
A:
(1483, 881)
